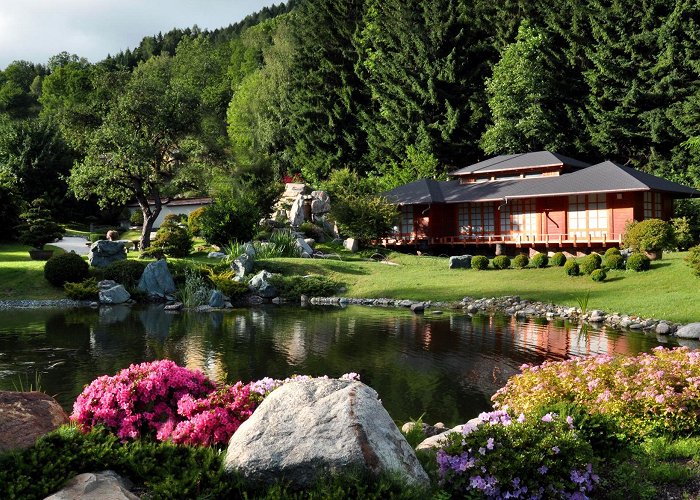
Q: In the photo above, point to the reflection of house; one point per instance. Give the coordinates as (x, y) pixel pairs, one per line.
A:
(177, 206)
(538, 199)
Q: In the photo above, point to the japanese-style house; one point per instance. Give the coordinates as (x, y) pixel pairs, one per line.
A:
(539, 200)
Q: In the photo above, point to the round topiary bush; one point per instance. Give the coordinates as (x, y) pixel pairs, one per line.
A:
(650, 235)
(590, 263)
(194, 221)
(126, 272)
(693, 259)
(539, 260)
(479, 262)
(598, 275)
(501, 262)
(571, 267)
(614, 261)
(612, 251)
(638, 262)
(558, 259)
(66, 268)
(172, 239)
(521, 261)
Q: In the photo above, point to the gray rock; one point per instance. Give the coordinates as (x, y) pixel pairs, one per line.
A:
(255, 300)
(243, 265)
(351, 244)
(304, 247)
(116, 294)
(156, 281)
(437, 439)
(461, 262)
(249, 250)
(308, 429)
(106, 485)
(104, 252)
(596, 316)
(418, 307)
(177, 306)
(216, 255)
(320, 202)
(662, 328)
(296, 213)
(216, 299)
(260, 285)
(689, 331)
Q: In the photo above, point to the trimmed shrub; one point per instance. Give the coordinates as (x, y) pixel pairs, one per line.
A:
(590, 263)
(293, 287)
(598, 275)
(194, 221)
(614, 261)
(67, 267)
(85, 290)
(539, 260)
(37, 227)
(480, 262)
(558, 259)
(638, 262)
(612, 251)
(231, 217)
(225, 284)
(501, 262)
(651, 235)
(682, 232)
(172, 239)
(136, 218)
(521, 261)
(126, 272)
(693, 260)
(571, 267)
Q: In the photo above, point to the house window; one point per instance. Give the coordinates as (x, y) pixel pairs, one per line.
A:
(588, 216)
(519, 219)
(475, 219)
(652, 205)
(406, 228)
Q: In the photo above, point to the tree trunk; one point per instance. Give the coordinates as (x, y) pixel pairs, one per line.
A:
(149, 218)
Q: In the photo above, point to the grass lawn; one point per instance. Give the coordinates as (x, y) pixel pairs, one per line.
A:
(669, 291)
(23, 278)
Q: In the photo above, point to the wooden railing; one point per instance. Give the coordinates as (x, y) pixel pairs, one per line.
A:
(507, 239)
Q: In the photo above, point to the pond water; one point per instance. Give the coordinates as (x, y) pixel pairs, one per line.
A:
(445, 367)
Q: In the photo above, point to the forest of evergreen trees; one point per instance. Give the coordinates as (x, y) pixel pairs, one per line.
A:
(392, 90)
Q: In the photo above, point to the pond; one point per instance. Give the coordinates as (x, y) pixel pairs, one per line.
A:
(443, 366)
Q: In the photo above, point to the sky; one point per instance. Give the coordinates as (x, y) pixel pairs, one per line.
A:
(35, 30)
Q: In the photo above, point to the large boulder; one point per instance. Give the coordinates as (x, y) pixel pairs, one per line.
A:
(689, 331)
(216, 299)
(26, 416)
(304, 248)
(104, 252)
(260, 285)
(106, 485)
(461, 262)
(243, 265)
(320, 202)
(156, 281)
(305, 430)
(296, 213)
(111, 292)
(351, 244)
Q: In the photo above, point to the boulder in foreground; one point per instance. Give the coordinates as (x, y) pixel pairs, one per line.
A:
(26, 416)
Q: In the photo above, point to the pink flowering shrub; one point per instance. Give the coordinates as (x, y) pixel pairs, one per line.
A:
(163, 400)
(650, 394)
(503, 457)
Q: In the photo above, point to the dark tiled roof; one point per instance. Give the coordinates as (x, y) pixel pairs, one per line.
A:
(606, 177)
(520, 161)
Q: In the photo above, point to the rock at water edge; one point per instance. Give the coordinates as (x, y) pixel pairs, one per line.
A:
(26, 416)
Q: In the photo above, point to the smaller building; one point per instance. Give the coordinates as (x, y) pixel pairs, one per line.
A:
(540, 200)
(177, 206)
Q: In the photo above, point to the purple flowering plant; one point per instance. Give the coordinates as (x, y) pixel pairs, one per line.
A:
(651, 394)
(503, 456)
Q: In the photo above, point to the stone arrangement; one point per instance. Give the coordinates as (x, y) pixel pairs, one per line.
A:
(104, 252)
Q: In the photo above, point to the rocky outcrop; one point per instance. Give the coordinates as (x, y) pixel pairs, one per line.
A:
(104, 252)
(111, 292)
(106, 485)
(307, 429)
(260, 285)
(26, 416)
(157, 282)
(320, 203)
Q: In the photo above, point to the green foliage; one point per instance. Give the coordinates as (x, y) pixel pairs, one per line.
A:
(67, 267)
(614, 261)
(85, 290)
(311, 230)
(612, 251)
(571, 267)
(195, 290)
(172, 239)
(501, 262)
(650, 235)
(293, 287)
(558, 259)
(682, 232)
(590, 263)
(126, 272)
(693, 259)
(521, 261)
(194, 221)
(282, 243)
(37, 227)
(638, 262)
(363, 217)
(136, 218)
(598, 275)
(480, 262)
(233, 215)
(225, 284)
(539, 260)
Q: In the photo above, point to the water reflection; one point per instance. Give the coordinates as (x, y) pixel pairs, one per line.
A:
(445, 366)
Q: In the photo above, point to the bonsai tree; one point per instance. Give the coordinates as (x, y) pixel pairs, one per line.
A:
(651, 236)
(37, 227)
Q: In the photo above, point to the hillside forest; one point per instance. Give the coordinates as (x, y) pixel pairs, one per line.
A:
(336, 91)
